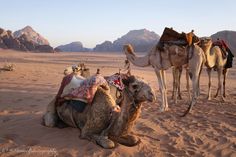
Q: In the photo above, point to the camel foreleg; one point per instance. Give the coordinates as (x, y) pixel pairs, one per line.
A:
(178, 85)
(50, 117)
(187, 85)
(220, 71)
(162, 87)
(225, 72)
(128, 140)
(209, 83)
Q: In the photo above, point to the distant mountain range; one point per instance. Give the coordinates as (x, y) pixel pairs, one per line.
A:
(27, 39)
(31, 35)
(142, 40)
(229, 37)
(73, 47)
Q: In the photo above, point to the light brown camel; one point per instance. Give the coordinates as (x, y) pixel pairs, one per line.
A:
(81, 68)
(214, 60)
(100, 124)
(173, 55)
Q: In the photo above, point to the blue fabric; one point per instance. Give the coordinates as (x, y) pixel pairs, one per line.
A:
(79, 106)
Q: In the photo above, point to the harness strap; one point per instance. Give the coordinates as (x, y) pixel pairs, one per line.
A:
(169, 57)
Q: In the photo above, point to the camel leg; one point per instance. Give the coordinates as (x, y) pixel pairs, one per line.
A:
(50, 117)
(209, 83)
(175, 80)
(198, 88)
(187, 85)
(162, 90)
(220, 71)
(225, 71)
(178, 85)
(101, 140)
(163, 72)
(128, 140)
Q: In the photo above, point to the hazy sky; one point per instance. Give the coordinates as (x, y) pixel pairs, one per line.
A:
(94, 21)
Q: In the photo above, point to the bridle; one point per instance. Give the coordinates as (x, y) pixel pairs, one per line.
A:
(133, 95)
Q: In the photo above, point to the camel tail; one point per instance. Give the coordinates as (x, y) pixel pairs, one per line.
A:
(188, 110)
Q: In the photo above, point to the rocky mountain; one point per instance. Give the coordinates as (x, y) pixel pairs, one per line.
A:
(106, 46)
(142, 40)
(229, 37)
(31, 35)
(22, 43)
(73, 47)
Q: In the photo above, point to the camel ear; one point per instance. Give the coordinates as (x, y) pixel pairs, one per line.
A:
(125, 82)
(129, 79)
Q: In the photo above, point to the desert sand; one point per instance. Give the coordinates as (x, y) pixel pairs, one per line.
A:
(210, 130)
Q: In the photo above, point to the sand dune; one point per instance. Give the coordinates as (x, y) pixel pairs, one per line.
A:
(210, 130)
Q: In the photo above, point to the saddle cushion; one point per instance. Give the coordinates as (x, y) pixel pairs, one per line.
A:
(115, 80)
(88, 88)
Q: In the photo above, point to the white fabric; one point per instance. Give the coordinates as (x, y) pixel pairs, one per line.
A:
(74, 83)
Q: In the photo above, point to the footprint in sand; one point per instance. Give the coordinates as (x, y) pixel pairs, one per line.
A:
(6, 119)
(33, 105)
(11, 136)
(31, 142)
(198, 141)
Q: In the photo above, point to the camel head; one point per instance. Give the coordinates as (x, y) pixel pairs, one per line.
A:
(81, 69)
(128, 48)
(139, 89)
(205, 42)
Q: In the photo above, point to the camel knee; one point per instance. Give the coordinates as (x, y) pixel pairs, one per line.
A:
(128, 140)
(50, 119)
(105, 142)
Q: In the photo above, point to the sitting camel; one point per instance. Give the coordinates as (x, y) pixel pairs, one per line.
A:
(100, 123)
(79, 68)
(172, 55)
(216, 61)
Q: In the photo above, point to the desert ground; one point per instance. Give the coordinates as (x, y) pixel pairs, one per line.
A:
(209, 130)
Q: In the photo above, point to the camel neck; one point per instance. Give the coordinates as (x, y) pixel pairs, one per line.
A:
(129, 113)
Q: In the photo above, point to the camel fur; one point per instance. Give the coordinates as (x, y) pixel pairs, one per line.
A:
(100, 122)
(216, 61)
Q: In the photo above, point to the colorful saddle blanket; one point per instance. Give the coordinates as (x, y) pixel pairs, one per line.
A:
(115, 80)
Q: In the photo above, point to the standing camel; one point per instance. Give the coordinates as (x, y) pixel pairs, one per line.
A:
(216, 61)
(172, 55)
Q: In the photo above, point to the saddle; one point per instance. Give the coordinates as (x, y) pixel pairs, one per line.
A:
(170, 36)
(226, 52)
(221, 44)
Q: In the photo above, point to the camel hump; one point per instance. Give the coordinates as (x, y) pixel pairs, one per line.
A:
(191, 38)
(103, 96)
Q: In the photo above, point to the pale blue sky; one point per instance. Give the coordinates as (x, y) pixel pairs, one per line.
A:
(92, 22)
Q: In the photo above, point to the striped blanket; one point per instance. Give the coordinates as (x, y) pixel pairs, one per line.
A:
(88, 88)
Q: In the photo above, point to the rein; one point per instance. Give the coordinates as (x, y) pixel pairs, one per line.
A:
(132, 96)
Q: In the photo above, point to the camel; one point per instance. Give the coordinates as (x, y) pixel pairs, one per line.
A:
(172, 55)
(84, 71)
(101, 123)
(214, 60)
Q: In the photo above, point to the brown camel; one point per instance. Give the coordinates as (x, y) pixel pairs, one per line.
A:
(172, 55)
(99, 123)
(214, 60)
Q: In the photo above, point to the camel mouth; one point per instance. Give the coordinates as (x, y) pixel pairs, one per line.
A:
(151, 98)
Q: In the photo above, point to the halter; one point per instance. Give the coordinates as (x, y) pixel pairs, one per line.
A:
(133, 96)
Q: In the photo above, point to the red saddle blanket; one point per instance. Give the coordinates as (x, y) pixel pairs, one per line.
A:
(86, 90)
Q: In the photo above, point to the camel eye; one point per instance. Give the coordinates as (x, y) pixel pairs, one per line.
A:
(135, 86)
